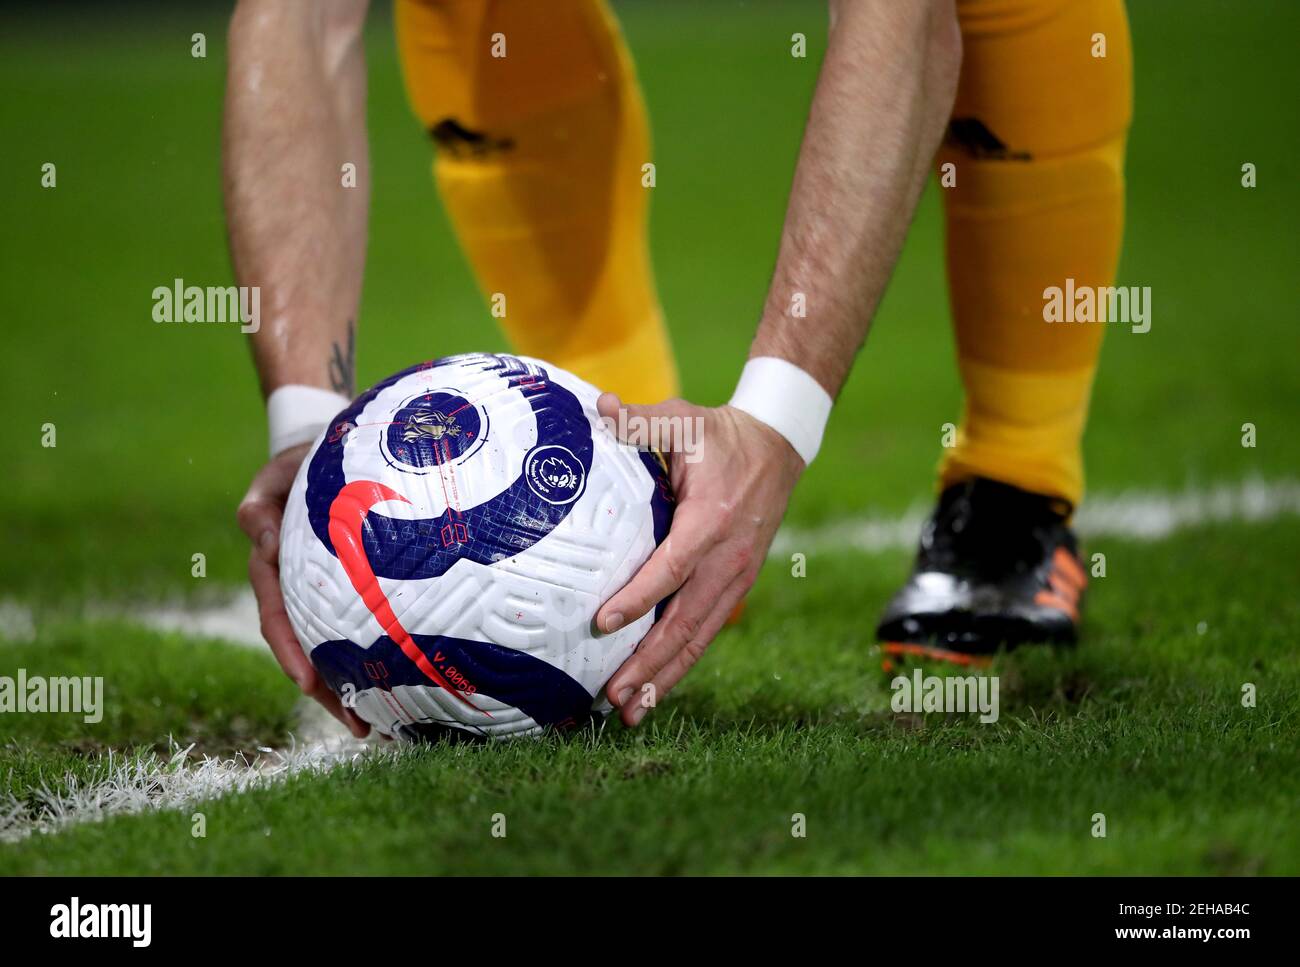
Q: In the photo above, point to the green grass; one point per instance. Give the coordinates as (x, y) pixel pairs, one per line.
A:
(786, 715)
(217, 695)
(158, 689)
(159, 429)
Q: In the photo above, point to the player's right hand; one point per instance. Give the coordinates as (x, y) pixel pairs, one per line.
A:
(260, 514)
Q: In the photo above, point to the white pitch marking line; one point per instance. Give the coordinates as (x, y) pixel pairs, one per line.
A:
(130, 786)
(1142, 515)
(150, 782)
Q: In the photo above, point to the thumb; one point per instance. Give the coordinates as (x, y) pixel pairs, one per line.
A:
(645, 425)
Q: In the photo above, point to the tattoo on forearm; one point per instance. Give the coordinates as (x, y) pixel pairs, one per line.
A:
(342, 364)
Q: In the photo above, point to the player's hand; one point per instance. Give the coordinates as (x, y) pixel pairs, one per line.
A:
(731, 496)
(260, 514)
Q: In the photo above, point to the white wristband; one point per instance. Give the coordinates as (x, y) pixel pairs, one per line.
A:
(780, 394)
(296, 414)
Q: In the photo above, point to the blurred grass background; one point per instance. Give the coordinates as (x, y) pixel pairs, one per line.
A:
(161, 426)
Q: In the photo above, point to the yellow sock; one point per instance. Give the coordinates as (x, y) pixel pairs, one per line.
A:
(539, 164)
(1038, 142)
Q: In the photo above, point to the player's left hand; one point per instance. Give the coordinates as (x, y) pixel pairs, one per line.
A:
(731, 496)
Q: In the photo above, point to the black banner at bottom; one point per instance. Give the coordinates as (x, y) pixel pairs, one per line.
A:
(333, 916)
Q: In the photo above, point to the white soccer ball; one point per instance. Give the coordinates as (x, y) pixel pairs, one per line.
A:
(449, 538)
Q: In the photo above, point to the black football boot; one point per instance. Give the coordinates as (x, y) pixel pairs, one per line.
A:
(997, 567)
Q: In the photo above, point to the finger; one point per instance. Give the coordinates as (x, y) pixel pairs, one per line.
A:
(262, 508)
(644, 425)
(680, 624)
(667, 570)
(682, 662)
(657, 686)
(608, 406)
(322, 693)
(260, 520)
(279, 634)
(276, 628)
